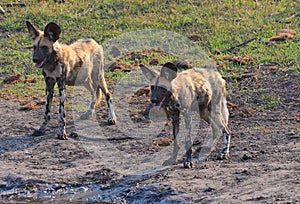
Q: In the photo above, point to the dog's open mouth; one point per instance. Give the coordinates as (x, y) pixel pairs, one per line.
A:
(157, 113)
(40, 64)
(159, 105)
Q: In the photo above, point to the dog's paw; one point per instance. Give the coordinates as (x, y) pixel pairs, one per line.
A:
(62, 136)
(223, 156)
(37, 133)
(188, 164)
(111, 121)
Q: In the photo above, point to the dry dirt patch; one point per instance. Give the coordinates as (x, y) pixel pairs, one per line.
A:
(264, 164)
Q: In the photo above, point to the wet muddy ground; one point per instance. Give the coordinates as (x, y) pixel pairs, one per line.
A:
(264, 106)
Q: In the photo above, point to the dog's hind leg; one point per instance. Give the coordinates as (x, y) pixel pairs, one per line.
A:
(50, 82)
(226, 132)
(225, 154)
(219, 127)
(188, 140)
(91, 109)
(112, 119)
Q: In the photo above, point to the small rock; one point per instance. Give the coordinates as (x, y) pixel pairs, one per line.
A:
(143, 91)
(29, 106)
(162, 141)
(154, 62)
(194, 37)
(11, 78)
(246, 157)
(115, 52)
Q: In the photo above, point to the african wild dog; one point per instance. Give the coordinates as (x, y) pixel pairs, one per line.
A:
(201, 90)
(63, 64)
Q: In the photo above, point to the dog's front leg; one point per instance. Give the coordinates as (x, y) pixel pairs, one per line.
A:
(174, 115)
(188, 140)
(112, 119)
(61, 82)
(50, 82)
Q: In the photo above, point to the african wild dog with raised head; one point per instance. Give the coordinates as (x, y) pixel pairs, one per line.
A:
(63, 64)
(199, 89)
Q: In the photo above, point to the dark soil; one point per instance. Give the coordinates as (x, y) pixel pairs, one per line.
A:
(264, 105)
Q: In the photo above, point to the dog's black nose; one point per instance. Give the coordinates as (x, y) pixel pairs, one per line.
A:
(35, 59)
(154, 101)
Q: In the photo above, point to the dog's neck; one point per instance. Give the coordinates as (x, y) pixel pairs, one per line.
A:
(172, 104)
(52, 62)
(53, 66)
(54, 59)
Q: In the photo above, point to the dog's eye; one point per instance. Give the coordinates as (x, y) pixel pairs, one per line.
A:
(44, 48)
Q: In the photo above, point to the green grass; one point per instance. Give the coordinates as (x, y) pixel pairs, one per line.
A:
(270, 101)
(220, 25)
(294, 131)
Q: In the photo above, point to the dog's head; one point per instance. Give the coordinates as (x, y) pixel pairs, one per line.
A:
(43, 42)
(161, 87)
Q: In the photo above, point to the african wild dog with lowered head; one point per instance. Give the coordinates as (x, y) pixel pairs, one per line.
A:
(63, 64)
(199, 89)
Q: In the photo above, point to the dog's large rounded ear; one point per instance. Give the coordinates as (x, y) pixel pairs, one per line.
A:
(52, 31)
(169, 71)
(33, 31)
(149, 73)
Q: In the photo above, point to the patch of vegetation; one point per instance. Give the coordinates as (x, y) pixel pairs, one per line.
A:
(217, 26)
(295, 131)
(270, 101)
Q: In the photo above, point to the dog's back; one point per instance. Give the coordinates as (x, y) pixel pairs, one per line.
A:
(217, 86)
(84, 59)
(86, 47)
(199, 87)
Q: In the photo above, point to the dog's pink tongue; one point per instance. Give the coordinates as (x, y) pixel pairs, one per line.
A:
(39, 65)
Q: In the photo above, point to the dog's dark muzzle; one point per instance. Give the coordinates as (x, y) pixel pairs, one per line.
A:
(39, 62)
(157, 102)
